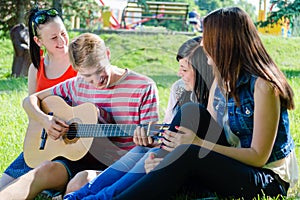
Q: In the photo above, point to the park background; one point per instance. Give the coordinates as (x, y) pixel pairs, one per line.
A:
(148, 52)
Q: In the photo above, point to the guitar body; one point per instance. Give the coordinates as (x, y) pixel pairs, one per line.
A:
(82, 114)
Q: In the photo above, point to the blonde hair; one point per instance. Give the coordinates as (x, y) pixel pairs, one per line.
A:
(88, 50)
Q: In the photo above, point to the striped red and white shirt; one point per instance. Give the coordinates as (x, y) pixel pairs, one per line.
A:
(131, 100)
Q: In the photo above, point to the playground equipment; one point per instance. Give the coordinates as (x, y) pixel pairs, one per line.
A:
(128, 14)
(159, 11)
(111, 17)
(282, 27)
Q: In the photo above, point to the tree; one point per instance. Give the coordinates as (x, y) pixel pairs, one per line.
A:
(248, 7)
(83, 9)
(207, 6)
(57, 4)
(13, 12)
(210, 5)
(285, 9)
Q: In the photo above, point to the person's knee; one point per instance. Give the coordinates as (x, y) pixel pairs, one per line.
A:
(76, 182)
(45, 168)
(80, 179)
(51, 173)
(184, 151)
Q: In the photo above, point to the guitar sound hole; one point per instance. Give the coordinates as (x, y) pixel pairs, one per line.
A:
(72, 133)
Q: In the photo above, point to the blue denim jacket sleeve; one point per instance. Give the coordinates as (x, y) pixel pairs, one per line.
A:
(241, 118)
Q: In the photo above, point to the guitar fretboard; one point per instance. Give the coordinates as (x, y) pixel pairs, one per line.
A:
(111, 130)
(104, 130)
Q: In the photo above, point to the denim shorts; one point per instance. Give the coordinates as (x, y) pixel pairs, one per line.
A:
(87, 162)
(18, 167)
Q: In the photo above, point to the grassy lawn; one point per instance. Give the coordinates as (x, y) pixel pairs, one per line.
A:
(152, 55)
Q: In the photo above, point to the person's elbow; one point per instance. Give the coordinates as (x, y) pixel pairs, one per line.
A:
(27, 101)
(260, 160)
(260, 163)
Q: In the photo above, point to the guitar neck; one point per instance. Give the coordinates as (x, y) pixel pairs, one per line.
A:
(105, 130)
(111, 130)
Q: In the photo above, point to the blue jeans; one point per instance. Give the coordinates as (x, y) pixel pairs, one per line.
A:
(218, 173)
(130, 168)
(226, 177)
(117, 177)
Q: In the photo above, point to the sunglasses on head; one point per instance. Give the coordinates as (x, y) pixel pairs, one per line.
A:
(41, 17)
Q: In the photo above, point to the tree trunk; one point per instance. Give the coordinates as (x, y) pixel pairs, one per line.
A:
(57, 4)
(21, 9)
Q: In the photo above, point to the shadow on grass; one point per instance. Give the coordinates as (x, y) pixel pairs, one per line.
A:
(167, 80)
(20, 84)
(164, 80)
(13, 84)
(291, 73)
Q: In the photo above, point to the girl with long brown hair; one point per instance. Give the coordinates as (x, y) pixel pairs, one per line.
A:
(249, 99)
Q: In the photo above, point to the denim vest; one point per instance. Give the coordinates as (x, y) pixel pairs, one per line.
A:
(241, 118)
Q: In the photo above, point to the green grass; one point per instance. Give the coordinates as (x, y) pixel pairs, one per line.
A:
(152, 55)
(6, 57)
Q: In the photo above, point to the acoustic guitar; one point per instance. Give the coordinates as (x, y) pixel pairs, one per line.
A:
(83, 128)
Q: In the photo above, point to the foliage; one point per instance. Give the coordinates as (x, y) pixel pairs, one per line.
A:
(14, 12)
(211, 5)
(248, 7)
(286, 9)
(207, 6)
(9, 16)
(86, 10)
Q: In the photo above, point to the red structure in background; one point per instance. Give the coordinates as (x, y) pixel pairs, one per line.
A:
(115, 24)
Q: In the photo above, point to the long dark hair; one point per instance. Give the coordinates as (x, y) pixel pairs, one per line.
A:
(192, 50)
(33, 31)
(232, 41)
